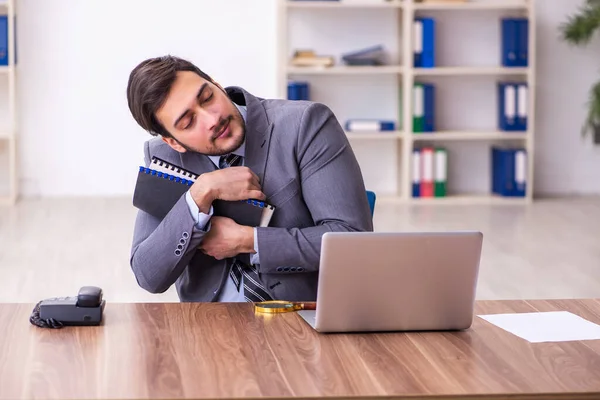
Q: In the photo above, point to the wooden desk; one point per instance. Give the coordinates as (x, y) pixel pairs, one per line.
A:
(226, 351)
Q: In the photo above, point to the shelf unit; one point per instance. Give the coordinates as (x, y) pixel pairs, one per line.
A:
(406, 11)
(345, 70)
(354, 3)
(8, 136)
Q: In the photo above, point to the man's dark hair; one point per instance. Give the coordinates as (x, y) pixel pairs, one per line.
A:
(148, 87)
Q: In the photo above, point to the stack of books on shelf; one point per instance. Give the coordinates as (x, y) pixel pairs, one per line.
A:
(372, 56)
(308, 58)
(369, 56)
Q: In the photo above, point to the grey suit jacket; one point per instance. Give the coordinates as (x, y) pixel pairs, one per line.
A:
(307, 170)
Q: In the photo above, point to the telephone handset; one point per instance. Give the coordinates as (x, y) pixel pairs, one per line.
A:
(84, 309)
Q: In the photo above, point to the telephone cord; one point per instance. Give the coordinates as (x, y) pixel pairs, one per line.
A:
(43, 323)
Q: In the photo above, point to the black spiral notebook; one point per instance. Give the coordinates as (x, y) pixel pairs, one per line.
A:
(162, 184)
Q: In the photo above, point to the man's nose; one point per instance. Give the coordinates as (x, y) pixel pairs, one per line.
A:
(212, 119)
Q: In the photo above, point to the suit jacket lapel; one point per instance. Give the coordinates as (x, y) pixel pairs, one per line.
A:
(258, 131)
(197, 163)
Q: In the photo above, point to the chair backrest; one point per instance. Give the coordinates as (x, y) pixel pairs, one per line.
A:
(371, 197)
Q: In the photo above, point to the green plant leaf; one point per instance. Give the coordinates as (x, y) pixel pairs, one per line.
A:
(592, 120)
(580, 27)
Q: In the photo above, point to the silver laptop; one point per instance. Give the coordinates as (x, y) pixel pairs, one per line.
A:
(396, 281)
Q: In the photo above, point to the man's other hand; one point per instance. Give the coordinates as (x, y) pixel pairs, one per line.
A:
(233, 183)
(226, 238)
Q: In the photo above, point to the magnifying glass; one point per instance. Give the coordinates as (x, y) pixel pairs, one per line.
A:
(280, 306)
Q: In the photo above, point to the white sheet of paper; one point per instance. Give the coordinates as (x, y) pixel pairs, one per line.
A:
(554, 326)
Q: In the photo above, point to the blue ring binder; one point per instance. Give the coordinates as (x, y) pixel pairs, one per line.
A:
(256, 203)
(166, 176)
(260, 204)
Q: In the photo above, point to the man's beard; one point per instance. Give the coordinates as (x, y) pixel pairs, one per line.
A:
(216, 130)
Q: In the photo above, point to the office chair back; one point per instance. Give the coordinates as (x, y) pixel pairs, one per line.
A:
(371, 197)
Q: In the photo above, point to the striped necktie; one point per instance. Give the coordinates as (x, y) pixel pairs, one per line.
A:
(230, 160)
(254, 291)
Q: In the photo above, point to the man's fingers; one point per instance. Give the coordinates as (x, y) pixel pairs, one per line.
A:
(257, 194)
(255, 183)
(251, 177)
(254, 180)
(246, 169)
(253, 174)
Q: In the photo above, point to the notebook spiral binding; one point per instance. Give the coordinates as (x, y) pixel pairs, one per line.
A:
(166, 167)
(260, 204)
(166, 176)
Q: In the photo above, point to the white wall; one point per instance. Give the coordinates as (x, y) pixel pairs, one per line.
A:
(77, 137)
(565, 163)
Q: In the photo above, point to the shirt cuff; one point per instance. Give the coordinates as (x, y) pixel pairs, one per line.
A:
(201, 219)
(255, 258)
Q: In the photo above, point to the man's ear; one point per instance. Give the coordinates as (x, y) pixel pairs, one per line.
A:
(174, 144)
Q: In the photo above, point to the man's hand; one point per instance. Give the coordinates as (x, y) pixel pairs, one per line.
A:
(227, 239)
(233, 183)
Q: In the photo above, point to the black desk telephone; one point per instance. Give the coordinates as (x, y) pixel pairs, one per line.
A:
(84, 309)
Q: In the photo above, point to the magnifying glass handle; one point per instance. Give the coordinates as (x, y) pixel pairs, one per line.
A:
(306, 306)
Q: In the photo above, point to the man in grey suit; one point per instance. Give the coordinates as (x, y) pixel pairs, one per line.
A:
(292, 154)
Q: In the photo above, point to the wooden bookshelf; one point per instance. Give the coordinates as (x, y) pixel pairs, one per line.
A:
(472, 5)
(407, 75)
(456, 200)
(391, 135)
(468, 135)
(344, 4)
(449, 71)
(345, 70)
(8, 137)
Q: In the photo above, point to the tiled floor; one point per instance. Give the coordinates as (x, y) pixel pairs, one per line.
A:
(51, 247)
